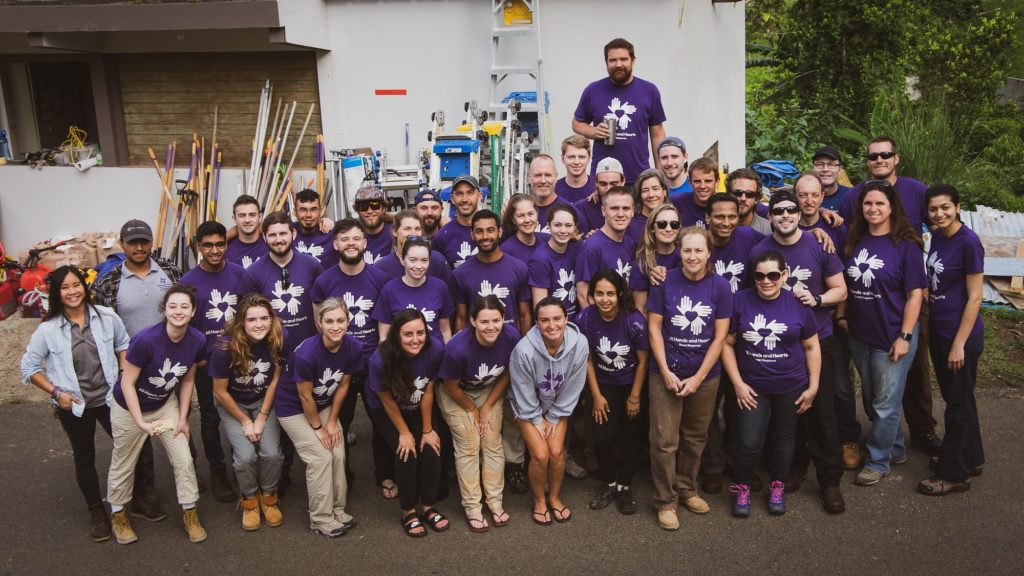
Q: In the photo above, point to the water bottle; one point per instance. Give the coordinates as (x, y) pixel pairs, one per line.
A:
(5, 147)
(610, 120)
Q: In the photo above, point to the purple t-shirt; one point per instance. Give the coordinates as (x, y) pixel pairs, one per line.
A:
(245, 254)
(600, 252)
(911, 194)
(378, 245)
(878, 277)
(319, 245)
(730, 261)
(312, 362)
(613, 345)
(423, 369)
(834, 201)
(542, 213)
(251, 386)
(689, 311)
(392, 267)
(769, 341)
(455, 242)
(638, 107)
(507, 279)
(837, 234)
(216, 299)
(359, 293)
(950, 260)
(162, 364)
(474, 366)
(556, 273)
(572, 195)
(290, 298)
(588, 216)
(690, 213)
(808, 265)
(515, 248)
(635, 232)
(433, 298)
(638, 280)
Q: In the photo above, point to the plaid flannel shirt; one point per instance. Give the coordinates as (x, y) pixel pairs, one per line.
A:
(104, 290)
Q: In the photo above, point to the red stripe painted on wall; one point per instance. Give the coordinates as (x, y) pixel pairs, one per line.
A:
(390, 92)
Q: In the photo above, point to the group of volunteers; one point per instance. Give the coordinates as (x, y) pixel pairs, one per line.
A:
(703, 332)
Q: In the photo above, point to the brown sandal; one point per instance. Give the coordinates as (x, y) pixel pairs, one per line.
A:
(936, 486)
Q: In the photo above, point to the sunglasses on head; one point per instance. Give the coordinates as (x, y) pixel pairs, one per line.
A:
(662, 224)
(883, 155)
(780, 210)
(745, 193)
(418, 239)
(771, 276)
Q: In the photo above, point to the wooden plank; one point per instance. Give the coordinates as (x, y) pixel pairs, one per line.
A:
(1017, 282)
(1016, 299)
(211, 97)
(1004, 266)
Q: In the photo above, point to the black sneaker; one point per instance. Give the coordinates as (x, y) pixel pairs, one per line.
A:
(146, 508)
(517, 481)
(929, 443)
(625, 502)
(602, 497)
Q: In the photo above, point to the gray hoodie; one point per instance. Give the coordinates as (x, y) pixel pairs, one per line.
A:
(546, 386)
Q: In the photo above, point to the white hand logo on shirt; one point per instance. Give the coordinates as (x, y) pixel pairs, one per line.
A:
(292, 304)
(257, 373)
(429, 315)
(760, 324)
(498, 290)
(314, 250)
(371, 258)
(216, 300)
(465, 251)
(935, 268)
(731, 272)
(169, 375)
(247, 261)
(420, 384)
(328, 383)
(614, 354)
(686, 306)
(627, 109)
(485, 375)
(797, 275)
(866, 276)
(566, 290)
(358, 308)
(623, 268)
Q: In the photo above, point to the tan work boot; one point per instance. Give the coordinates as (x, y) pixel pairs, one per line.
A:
(250, 513)
(851, 455)
(668, 519)
(271, 513)
(122, 527)
(195, 530)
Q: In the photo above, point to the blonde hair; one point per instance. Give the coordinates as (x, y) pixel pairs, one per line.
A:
(647, 252)
(576, 141)
(703, 233)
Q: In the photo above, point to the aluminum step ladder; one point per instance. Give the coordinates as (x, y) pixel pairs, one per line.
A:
(517, 18)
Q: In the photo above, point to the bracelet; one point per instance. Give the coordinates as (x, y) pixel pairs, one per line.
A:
(840, 318)
(315, 428)
(428, 431)
(54, 393)
(631, 401)
(264, 413)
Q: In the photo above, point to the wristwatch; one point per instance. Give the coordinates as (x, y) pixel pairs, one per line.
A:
(817, 300)
(906, 336)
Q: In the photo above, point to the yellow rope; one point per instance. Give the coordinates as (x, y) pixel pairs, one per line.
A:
(75, 141)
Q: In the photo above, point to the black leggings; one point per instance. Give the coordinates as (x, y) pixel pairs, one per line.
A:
(383, 457)
(81, 432)
(619, 426)
(419, 477)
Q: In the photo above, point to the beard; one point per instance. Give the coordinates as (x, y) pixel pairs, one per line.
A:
(352, 260)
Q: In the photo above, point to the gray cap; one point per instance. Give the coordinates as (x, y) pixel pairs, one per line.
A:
(136, 230)
(609, 164)
(467, 178)
(672, 141)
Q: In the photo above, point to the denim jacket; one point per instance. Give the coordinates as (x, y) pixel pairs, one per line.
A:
(51, 343)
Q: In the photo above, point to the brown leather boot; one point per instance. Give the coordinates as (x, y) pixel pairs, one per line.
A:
(271, 513)
(250, 514)
(223, 491)
(99, 522)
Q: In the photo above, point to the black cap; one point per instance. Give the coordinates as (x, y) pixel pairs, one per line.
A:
(426, 196)
(828, 152)
(136, 230)
(467, 178)
(782, 196)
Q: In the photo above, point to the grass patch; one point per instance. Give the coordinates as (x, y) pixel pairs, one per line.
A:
(1002, 363)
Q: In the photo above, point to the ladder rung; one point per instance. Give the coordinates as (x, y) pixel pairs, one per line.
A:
(503, 107)
(513, 31)
(496, 70)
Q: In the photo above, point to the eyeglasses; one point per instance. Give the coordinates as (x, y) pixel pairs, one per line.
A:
(746, 193)
(212, 245)
(780, 210)
(370, 205)
(663, 224)
(285, 284)
(827, 164)
(771, 276)
(883, 155)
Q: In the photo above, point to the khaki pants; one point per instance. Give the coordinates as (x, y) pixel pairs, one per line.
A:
(511, 437)
(128, 441)
(325, 472)
(468, 447)
(679, 432)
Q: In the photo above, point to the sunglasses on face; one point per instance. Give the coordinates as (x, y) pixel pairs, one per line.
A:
(771, 276)
(745, 193)
(883, 155)
(371, 205)
(662, 224)
(780, 210)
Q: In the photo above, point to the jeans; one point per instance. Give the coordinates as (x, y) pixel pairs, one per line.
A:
(774, 417)
(961, 446)
(619, 426)
(209, 418)
(471, 450)
(720, 452)
(257, 466)
(846, 396)
(419, 477)
(817, 436)
(383, 460)
(882, 385)
(81, 431)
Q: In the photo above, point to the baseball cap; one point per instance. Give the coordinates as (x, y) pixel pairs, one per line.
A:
(828, 152)
(782, 196)
(367, 193)
(426, 196)
(672, 141)
(609, 164)
(467, 178)
(136, 230)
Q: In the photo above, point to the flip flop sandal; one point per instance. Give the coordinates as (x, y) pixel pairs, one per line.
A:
(412, 521)
(544, 517)
(388, 489)
(499, 520)
(477, 525)
(562, 515)
(433, 518)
